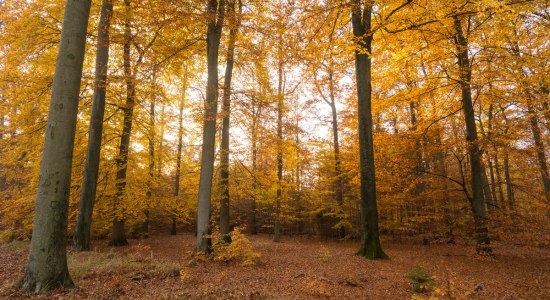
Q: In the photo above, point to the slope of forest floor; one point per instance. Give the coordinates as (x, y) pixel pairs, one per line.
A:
(297, 268)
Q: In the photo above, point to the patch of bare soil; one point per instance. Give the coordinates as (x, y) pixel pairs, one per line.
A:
(297, 268)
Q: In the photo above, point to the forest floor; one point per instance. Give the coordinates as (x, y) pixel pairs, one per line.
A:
(161, 267)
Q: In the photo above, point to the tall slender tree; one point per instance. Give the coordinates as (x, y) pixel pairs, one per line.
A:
(234, 21)
(93, 154)
(370, 237)
(215, 13)
(119, 235)
(280, 111)
(47, 261)
(476, 168)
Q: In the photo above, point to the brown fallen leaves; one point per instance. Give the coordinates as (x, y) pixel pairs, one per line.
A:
(298, 268)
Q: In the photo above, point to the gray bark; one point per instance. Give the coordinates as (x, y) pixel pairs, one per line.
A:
(93, 154)
(280, 104)
(339, 190)
(47, 262)
(498, 174)
(119, 235)
(215, 13)
(487, 192)
(151, 140)
(539, 146)
(370, 237)
(178, 156)
(508, 179)
(477, 202)
(225, 227)
(251, 218)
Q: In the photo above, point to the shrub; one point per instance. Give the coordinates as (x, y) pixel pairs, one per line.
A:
(240, 249)
(420, 279)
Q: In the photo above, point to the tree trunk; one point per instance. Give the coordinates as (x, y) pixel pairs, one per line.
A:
(339, 190)
(251, 218)
(280, 104)
(498, 174)
(539, 146)
(93, 154)
(487, 192)
(508, 179)
(370, 237)
(151, 140)
(2, 117)
(215, 13)
(477, 201)
(47, 262)
(225, 227)
(178, 155)
(119, 236)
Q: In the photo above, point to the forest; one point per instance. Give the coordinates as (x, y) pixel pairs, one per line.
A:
(285, 149)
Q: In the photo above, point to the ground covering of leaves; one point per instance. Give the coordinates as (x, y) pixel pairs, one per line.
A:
(161, 267)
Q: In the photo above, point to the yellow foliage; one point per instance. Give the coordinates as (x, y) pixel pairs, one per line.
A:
(239, 250)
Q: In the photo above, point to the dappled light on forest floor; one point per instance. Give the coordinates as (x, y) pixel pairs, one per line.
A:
(163, 267)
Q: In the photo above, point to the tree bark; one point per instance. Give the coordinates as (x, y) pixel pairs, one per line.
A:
(81, 237)
(477, 202)
(508, 179)
(151, 140)
(225, 227)
(280, 104)
(179, 151)
(251, 218)
(119, 235)
(370, 237)
(539, 146)
(498, 175)
(215, 14)
(339, 190)
(487, 191)
(47, 262)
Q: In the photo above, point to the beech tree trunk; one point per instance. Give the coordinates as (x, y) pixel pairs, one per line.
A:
(47, 262)
(539, 146)
(370, 237)
(251, 218)
(508, 179)
(225, 227)
(119, 235)
(487, 193)
(215, 13)
(81, 237)
(151, 140)
(280, 104)
(178, 155)
(477, 202)
(498, 174)
(339, 190)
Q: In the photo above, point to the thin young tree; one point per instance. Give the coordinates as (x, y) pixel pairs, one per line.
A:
(47, 262)
(87, 197)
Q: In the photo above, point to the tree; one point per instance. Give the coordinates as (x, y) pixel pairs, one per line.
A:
(47, 262)
(215, 13)
(89, 184)
(476, 168)
(119, 236)
(234, 21)
(370, 236)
